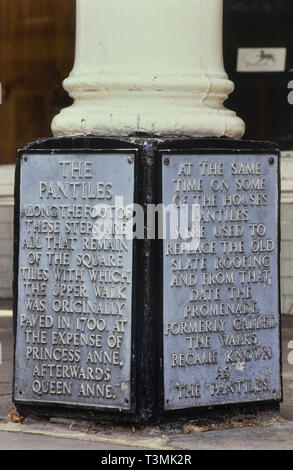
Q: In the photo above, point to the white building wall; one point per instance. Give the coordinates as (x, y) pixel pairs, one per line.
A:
(287, 233)
(6, 230)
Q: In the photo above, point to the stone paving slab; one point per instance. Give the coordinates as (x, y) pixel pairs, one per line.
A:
(274, 437)
(114, 440)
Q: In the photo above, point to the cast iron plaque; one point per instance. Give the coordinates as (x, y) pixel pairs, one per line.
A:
(73, 338)
(221, 331)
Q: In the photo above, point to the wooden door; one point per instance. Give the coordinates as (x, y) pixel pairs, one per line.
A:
(37, 40)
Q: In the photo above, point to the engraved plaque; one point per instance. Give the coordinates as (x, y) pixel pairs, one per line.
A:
(221, 331)
(73, 338)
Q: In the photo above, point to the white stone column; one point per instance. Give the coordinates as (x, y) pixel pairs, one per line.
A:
(153, 66)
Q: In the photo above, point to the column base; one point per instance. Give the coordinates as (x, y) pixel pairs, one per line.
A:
(82, 120)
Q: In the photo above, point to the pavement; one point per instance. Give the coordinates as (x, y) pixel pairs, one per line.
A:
(267, 431)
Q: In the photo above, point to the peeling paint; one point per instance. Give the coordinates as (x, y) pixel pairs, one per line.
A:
(240, 366)
(124, 385)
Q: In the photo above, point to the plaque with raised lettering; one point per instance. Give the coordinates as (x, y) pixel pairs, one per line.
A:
(74, 275)
(221, 328)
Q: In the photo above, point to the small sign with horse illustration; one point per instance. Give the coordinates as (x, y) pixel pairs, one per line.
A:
(261, 59)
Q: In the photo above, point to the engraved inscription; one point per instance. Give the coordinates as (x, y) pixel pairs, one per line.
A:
(73, 342)
(221, 300)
